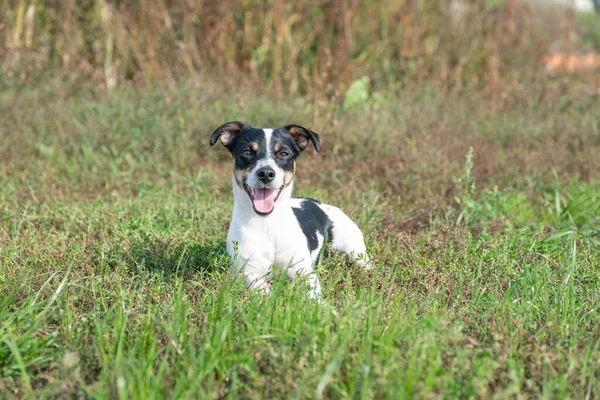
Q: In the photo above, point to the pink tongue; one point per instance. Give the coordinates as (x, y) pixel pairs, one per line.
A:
(264, 200)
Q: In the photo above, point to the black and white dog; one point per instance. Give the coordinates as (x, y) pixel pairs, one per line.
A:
(270, 228)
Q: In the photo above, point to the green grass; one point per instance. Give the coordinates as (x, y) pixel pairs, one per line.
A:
(115, 280)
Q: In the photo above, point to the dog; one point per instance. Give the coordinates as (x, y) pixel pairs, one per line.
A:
(270, 228)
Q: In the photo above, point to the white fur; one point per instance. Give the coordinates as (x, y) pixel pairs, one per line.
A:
(268, 135)
(316, 252)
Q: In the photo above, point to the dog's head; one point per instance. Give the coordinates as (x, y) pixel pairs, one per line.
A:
(264, 160)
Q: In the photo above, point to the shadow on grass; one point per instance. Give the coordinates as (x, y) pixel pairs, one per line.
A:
(163, 257)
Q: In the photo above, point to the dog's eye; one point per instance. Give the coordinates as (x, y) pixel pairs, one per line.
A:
(283, 154)
(246, 152)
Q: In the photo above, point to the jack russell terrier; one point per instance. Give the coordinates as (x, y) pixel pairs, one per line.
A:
(270, 228)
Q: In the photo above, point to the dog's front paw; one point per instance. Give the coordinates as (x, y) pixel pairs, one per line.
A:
(258, 283)
(363, 261)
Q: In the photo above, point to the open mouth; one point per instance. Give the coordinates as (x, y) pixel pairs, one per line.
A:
(263, 199)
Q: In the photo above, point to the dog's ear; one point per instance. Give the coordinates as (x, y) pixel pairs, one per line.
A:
(226, 133)
(301, 136)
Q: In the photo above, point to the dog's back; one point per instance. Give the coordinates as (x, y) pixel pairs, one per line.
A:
(324, 223)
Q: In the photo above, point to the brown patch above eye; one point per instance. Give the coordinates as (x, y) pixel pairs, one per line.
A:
(254, 146)
(277, 146)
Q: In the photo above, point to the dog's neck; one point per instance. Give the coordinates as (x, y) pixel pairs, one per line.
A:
(243, 211)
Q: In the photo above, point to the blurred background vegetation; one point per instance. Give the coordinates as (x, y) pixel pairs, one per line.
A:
(314, 47)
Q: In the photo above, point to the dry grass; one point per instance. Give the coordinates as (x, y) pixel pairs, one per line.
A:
(285, 47)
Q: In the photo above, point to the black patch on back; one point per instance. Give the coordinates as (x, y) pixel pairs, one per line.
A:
(312, 220)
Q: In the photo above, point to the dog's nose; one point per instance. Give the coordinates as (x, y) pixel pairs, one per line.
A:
(266, 174)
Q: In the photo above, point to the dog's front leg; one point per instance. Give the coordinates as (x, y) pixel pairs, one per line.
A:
(256, 273)
(257, 282)
(303, 268)
(255, 267)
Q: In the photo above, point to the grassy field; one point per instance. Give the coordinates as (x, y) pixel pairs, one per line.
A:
(483, 220)
(474, 175)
